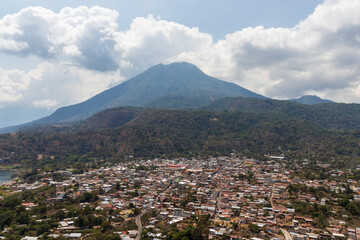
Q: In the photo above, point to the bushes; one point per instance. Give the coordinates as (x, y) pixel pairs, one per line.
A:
(11, 202)
(88, 197)
(353, 208)
(190, 233)
(254, 228)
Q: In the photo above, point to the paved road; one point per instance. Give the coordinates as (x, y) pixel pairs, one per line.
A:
(271, 196)
(138, 217)
(218, 196)
(138, 223)
(217, 205)
(286, 233)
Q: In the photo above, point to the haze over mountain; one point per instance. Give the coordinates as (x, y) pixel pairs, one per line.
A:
(16, 114)
(181, 79)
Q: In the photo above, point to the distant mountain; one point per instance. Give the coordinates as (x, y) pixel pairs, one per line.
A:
(310, 100)
(182, 79)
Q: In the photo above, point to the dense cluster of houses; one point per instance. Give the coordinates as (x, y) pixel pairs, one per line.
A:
(234, 191)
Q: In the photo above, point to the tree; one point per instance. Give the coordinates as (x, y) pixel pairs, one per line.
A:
(144, 235)
(88, 197)
(105, 226)
(80, 222)
(59, 215)
(11, 202)
(254, 228)
(23, 218)
(235, 225)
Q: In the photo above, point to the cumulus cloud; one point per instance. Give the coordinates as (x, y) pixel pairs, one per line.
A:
(89, 38)
(86, 35)
(149, 41)
(320, 55)
(52, 85)
(12, 85)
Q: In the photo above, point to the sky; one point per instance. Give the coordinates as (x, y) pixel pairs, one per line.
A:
(58, 53)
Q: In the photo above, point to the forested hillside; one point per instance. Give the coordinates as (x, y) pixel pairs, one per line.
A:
(327, 115)
(164, 133)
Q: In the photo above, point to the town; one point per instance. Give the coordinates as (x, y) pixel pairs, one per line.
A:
(217, 198)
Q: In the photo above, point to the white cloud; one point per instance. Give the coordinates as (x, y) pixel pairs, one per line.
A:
(53, 85)
(84, 34)
(149, 41)
(321, 54)
(45, 103)
(12, 85)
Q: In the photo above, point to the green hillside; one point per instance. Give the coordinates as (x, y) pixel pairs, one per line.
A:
(327, 115)
(168, 133)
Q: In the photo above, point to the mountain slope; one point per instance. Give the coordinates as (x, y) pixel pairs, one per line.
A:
(175, 79)
(334, 116)
(151, 133)
(328, 115)
(310, 100)
(180, 102)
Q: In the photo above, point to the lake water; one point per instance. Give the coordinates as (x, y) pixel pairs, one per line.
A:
(5, 176)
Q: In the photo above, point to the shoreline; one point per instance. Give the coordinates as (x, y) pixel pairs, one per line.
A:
(10, 177)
